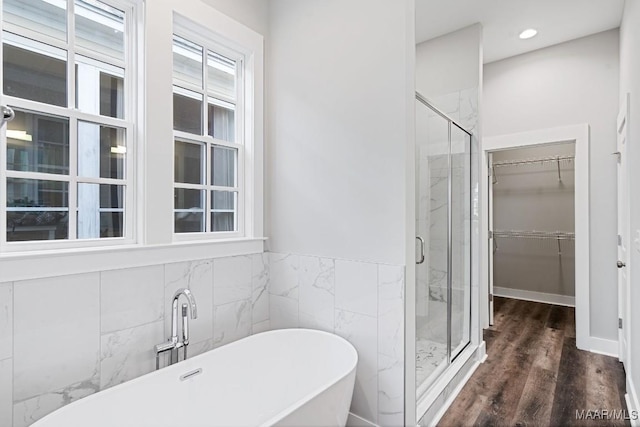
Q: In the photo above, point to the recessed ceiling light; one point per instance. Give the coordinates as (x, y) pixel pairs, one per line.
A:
(527, 34)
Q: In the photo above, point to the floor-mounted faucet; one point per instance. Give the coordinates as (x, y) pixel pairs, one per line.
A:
(173, 345)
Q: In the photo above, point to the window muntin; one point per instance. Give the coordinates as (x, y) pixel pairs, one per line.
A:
(68, 73)
(209, 146)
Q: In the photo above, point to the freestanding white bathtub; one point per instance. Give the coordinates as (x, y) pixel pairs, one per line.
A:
(288, 377)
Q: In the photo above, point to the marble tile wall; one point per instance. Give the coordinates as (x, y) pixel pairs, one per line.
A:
(98, 330)
(362, 302)
(64, 338)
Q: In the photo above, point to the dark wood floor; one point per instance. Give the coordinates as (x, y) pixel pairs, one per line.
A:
(534, 374)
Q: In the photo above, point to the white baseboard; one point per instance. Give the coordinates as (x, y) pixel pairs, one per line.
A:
(355, 421)
(535, 296)
(633, 405)
(482, 352)
(603, 346)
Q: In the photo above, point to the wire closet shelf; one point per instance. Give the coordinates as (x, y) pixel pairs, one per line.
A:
(556, 235)
(558, 160)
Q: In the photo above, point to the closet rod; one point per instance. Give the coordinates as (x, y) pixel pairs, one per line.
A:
(532, 161)
(557, 235)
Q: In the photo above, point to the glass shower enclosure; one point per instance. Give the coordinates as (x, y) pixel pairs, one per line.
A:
(443, 228)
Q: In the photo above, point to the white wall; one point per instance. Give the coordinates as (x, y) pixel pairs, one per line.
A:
(339, 100)
(337, 113)
(571, 83)
(630, 83)
(448, 63)
(252, 13)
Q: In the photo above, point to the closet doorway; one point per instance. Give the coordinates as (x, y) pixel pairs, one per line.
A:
(535, 221)
(532, 223)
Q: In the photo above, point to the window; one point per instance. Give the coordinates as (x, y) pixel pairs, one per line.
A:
(208, 122)
(67, 157)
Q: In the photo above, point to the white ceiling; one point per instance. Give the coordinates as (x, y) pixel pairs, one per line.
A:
(557, 21)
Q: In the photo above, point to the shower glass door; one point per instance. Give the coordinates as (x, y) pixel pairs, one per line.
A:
(460, 289)
(443, 227)
(432, 226)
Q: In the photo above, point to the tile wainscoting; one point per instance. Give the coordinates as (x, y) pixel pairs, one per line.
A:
(66, 337)
(360, 301)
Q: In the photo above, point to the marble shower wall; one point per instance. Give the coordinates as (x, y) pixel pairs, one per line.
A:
(362, 302)
(64, 338)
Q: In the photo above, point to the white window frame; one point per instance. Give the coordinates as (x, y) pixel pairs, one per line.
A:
(216, 43)
(130, 66)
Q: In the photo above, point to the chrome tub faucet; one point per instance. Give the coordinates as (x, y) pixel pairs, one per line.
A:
(173, 345)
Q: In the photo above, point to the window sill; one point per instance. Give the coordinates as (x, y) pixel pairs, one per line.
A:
(60, 262)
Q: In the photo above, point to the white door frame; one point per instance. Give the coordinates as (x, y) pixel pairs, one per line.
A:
(579, 134)
(623, 227)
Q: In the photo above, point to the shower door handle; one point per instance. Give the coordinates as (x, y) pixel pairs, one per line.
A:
(421, 240)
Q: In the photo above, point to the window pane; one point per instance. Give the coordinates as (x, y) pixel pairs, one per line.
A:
(221, 77)
(188, 162)
(188, 222)
(100, 28)
(223, 210)
(187, 62)
(222, 122)
(223, 166)
(37, 193)
(37, 143)
(37, 210)
(44, 16)
(111, 95)
(100, 211)
(34, 71)
(188, 199)
(102, 151)
(189, 214)
(187, 112)
(99, 88)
